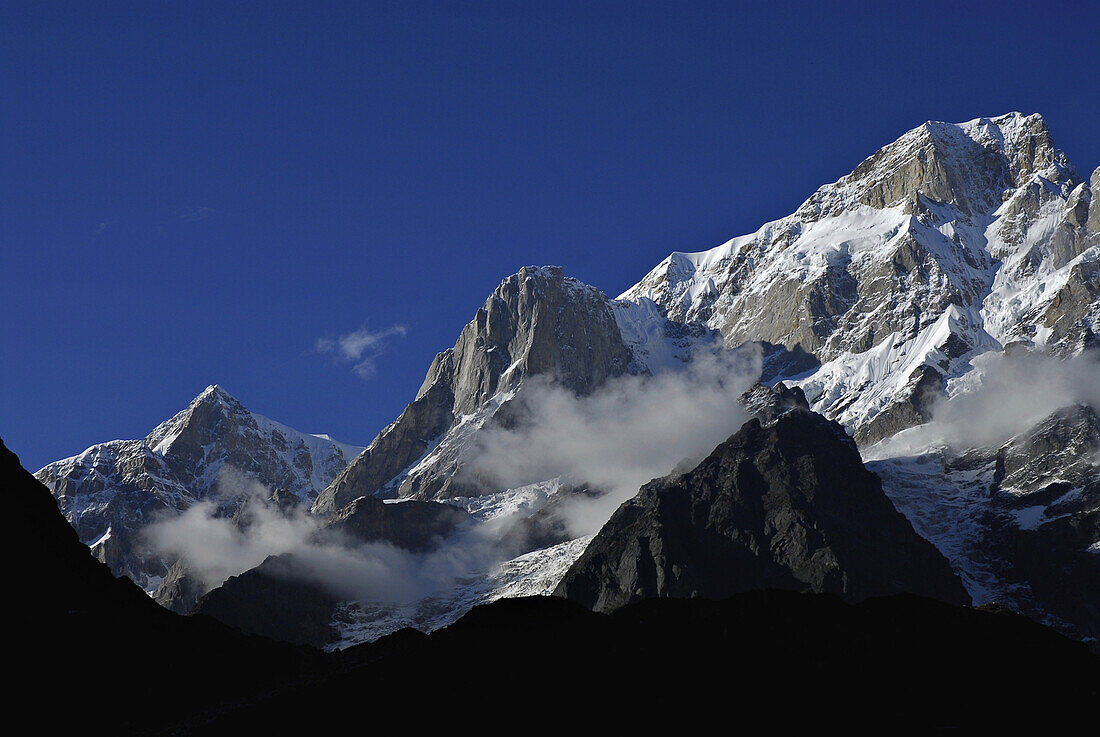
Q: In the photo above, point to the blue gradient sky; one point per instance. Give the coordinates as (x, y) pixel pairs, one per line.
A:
(196, 193)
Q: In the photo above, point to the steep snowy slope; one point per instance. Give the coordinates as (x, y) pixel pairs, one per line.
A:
(112, 490)
(952, 241)
(1019, 520)
(497, 517)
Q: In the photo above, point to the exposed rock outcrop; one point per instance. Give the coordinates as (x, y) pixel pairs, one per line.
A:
(179, 589)
(768, 403)
(1019, 520)
(1045, 515)
(276, 599)
(286, 598)
(787, 505)
(537, 322)
(412, 525)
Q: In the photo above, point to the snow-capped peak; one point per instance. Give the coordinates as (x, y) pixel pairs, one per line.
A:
(987, 218)
(123, 484)
(969, 166)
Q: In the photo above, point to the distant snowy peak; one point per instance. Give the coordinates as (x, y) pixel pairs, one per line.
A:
(207, 409)
(953, 240)
(112, 490)
(215, 429)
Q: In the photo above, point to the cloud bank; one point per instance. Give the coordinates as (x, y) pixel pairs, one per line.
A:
(629, 431)
(1004, 396)
(215, 547)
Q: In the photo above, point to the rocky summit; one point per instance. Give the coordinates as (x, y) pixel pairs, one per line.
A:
(538, 322)
(787, 505)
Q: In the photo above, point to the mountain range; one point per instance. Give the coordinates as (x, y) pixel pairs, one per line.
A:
(890, 390)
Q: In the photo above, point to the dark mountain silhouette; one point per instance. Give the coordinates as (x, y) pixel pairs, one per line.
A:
(787, 505)
(94, 653)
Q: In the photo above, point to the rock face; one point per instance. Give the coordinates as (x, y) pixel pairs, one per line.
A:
(178, 590)
(949, 242)
(110, 492)
(277, 600)
(787, 505)
(412, 525)
(283, 598)
(768, 403)
(1019, 521)
(537, 322)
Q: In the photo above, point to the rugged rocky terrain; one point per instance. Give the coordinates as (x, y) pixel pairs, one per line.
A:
(537, 322)
(1020, 520)
(412, 525)
(284, 597)
(276, 599)
(786, 505)
(951, 241)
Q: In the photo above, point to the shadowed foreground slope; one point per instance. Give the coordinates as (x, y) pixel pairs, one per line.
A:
(103, 658)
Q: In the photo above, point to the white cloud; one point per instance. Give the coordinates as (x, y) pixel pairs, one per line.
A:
(361, 347)
(631, 430)
(1004, 396)
(215, 547)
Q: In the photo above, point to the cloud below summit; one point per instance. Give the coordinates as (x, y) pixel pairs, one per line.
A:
(629, 431)
(1006, 395)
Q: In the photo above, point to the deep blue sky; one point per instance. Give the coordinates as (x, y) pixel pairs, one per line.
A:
(195, 193)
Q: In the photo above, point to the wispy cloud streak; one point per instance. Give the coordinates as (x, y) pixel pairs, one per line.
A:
(360, 348)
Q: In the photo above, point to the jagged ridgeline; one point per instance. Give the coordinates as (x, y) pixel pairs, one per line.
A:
(952, 241)
(885, 293)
